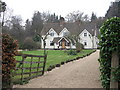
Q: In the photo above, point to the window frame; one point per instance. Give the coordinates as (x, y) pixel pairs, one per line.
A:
(52, 34)
(51, 43)
(85, 34)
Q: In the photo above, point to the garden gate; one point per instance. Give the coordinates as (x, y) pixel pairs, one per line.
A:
(28, 67)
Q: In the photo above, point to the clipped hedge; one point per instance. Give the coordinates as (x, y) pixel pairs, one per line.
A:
(9, 50)
(109, 42)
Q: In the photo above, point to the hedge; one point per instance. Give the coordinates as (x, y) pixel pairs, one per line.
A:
(9, 50)
(109, 42)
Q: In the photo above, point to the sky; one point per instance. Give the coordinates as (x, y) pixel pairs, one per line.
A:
(26, 8)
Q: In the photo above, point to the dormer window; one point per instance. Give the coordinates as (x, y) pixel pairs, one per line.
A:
(52, 34)
(85, 34)
(65, 33)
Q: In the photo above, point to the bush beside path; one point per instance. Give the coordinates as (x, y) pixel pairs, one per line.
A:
(83, 73)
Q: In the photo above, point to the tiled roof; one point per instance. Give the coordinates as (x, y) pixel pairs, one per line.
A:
(73, 28)
(55, 40)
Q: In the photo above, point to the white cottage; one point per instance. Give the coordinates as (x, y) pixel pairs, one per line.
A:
(57, 31)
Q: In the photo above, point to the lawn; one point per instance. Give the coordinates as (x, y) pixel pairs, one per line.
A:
(57, 56)
(53, 57)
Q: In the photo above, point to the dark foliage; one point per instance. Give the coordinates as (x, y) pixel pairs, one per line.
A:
(57, 65)
(114, 10)
(109, 42)
(72, 52)
(9, 50)
(30, 44)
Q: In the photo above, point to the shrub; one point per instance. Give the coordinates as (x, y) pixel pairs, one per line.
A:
(9, 50)
(67, 61)
(52, 66)
(72, 52)
(62, 63)
(57, 65)
(49, 69)
(109, 43)
(30, 44)
(79, 47)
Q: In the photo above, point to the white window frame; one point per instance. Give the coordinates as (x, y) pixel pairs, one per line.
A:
(85, 34)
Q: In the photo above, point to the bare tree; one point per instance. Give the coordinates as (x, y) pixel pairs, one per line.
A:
(17, 30)
(2, 10)
(44, 42)
(8, 16)
(75, 16)
(45, 16)
(75, 39)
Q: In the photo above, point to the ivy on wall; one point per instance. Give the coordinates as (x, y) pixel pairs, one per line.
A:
(109, 42)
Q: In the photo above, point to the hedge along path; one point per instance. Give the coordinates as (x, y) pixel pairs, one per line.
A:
(110, 53)
(83, 73)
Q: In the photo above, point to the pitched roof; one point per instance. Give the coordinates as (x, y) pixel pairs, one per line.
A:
(73, 28)
(55, 40)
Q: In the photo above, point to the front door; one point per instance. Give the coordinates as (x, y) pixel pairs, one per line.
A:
(63, 44)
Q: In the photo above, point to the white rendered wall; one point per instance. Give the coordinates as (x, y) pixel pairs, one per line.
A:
(87, 39)
(92, 41)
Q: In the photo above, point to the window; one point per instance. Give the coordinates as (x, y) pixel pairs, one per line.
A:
(67, 44)
(85, 34)
(89, 35)
(60, 43)
(85, 43)
(52, 34)
(51, 43)
(65, 33)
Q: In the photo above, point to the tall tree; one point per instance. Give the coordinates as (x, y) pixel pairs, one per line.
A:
(114, 10)
(28, 29)
(53, 18)
(2, 9)
(37, 23)
(45, 16)
(17, 30)
(99, 22)
(93, 17)
(7, 17)
(2, 6)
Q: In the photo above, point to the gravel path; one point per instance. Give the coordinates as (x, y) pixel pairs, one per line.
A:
(83, 73)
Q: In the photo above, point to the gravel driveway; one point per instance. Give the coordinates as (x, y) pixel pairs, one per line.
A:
(83, 73)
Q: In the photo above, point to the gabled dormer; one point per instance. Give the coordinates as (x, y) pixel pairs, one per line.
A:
(64, 32)
(85, 34)
(52, 33)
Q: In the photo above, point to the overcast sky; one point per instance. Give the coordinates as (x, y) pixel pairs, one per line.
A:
(26, 8)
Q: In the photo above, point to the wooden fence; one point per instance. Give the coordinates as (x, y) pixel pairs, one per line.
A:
(28, 67)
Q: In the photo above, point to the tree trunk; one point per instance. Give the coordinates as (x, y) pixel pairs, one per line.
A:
(114, 64)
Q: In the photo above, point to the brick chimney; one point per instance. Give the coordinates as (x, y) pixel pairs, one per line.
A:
(62, 21)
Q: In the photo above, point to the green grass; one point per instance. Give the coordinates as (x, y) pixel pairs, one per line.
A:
(53, 57)
(57, 56)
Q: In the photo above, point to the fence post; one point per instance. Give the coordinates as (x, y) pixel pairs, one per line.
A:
(23, 58)
(45, 57)
(30, 67)
(114, 64)
(38, 66)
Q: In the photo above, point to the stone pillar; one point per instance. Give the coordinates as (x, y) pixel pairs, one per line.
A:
(114, 64)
